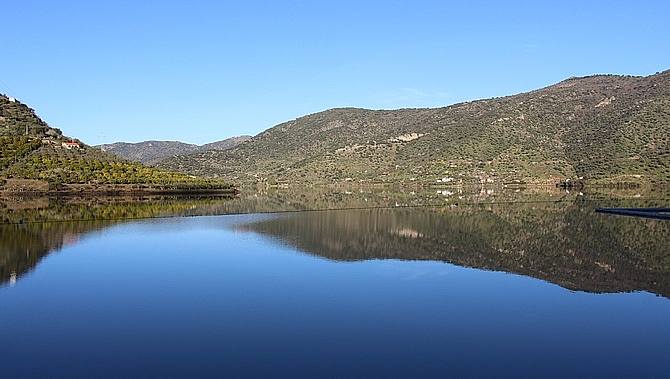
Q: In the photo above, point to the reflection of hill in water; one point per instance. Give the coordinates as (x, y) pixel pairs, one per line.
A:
(38, 227)
(562, 243)
(565, 243)
(23, 246)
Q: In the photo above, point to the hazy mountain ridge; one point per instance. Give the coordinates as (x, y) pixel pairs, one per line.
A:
(600, 127)
(151, 152)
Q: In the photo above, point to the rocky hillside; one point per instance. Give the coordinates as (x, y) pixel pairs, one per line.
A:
(36, 157)
(151, 152)
(17, 119)
(599, 128)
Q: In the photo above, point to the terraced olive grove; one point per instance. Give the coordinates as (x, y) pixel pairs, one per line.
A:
(34, 157)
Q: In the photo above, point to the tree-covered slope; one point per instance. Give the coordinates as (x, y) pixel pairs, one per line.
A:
(601, 128)
(36, 157)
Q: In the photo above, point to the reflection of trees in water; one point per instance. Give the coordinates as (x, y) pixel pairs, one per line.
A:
(103, 208)
(561, 242)
(38, 227)
(23, 246)
(564, 243)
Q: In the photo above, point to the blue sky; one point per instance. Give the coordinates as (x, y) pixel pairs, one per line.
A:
(201, 71)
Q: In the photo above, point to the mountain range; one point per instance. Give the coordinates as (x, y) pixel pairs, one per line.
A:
(151, 152)
(600, 128)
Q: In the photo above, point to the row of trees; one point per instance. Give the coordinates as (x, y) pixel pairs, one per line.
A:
(85, 170)
(13, 149)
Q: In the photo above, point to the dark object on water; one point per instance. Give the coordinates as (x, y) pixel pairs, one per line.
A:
(656, 213)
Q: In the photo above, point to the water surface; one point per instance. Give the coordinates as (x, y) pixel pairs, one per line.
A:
(522, 285)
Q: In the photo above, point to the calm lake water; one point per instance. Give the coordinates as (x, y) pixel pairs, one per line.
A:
(336, 284)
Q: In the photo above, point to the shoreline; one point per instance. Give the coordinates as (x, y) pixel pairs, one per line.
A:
(118, 192)
(29, 188)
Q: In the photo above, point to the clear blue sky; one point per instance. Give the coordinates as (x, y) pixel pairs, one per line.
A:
(200, 71)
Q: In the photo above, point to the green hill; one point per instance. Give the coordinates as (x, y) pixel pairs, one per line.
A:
(602, 128)
(36, 157)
